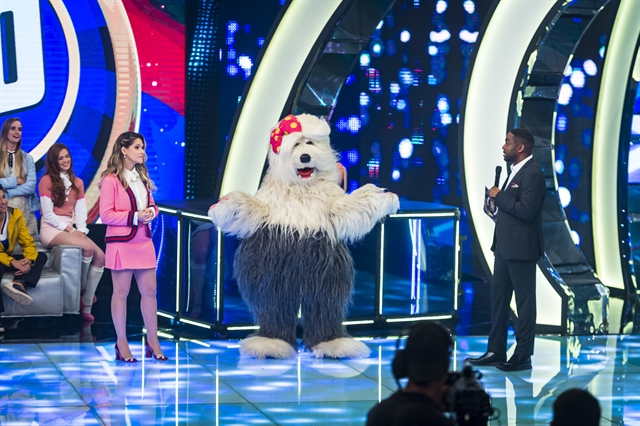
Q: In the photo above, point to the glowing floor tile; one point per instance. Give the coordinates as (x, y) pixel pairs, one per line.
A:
(337, 389)
(30, 415)
(319, 413)
(193, 415)
(303, 367)
(28, 372)
(32, 394)
(132, 388)
(104, 351)
(22, 352)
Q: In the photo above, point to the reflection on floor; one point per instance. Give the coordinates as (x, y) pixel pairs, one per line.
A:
(207, 382)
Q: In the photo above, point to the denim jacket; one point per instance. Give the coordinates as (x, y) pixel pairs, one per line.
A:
(27, 189)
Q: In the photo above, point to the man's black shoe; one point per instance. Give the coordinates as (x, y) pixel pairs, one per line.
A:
(516, 364)
(489, 358)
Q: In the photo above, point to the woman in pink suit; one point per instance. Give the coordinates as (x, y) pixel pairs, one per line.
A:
(127, 208)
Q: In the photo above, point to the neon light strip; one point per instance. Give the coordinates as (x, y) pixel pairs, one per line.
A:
(196, 323)
(485, 119)
(413, 215)
(218, 273)
(606, 140)
(291, 44)
(179, 255)
(166, 210)
(381, 268)
(245, 327)
(408, 319)
(197, 216)
(357, 322)
(163, 314)
(456, 265)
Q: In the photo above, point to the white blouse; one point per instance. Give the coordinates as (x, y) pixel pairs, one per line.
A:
(139, 191)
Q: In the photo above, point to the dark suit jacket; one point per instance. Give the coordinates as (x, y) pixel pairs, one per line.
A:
(518, 233)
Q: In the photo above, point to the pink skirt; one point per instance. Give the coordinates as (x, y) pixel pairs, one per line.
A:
(139, 253)
(48, 232)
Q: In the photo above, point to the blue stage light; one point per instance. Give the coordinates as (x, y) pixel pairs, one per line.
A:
(365, 59)
(439, 36)
(575, 237)
(565, 196)
(601, 51)
(432, 80)
(590, 67)
(395, 175)
(232, 70)
(443, 104)
(353, 156)
(559, 166)
(376, 48)
(406, 76)
(468, 36)
(231, 54)
(401, 104)
(564, 97)
(432, 50)
(469, 6)
(577, 78)
(405, 148)
(561, 123)
(354, 124)
(232, 27)
(446, 119)
(374, 80)
(364, 99)
(260, 41)
(394, 88)
(350, 79)
(405, 36)
(441, 6)
(245, 62)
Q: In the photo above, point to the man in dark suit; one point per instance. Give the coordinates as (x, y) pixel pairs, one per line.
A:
(517, 246)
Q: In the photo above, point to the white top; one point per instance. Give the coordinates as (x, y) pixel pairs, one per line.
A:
(515, 168)
(139, 191)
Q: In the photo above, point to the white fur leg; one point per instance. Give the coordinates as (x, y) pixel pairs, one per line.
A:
(262, 347)
(344, 347)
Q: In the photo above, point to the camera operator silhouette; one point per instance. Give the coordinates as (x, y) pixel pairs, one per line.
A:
(425, 361)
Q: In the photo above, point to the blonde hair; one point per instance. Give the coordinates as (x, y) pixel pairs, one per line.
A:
(17, 157)
(115, 165)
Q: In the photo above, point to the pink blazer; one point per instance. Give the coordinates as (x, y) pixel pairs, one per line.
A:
(117, 208)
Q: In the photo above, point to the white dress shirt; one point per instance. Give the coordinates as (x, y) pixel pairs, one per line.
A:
(515, 168)
(139, 191)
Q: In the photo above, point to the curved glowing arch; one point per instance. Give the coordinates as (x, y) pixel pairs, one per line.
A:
(273, 82)
(606, 141)
(485, 120)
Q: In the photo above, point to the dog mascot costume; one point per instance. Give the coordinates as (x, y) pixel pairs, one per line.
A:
(293, 254)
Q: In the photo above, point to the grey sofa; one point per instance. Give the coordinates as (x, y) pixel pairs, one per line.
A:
(57, 292)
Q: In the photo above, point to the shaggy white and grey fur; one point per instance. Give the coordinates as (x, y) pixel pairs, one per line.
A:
(293, 253)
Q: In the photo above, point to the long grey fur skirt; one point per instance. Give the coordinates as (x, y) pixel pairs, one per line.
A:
(279, 273)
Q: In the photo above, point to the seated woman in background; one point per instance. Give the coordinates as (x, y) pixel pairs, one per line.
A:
(62, 201)
(18, 173)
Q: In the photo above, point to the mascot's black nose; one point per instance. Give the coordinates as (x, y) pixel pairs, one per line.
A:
(305, 158)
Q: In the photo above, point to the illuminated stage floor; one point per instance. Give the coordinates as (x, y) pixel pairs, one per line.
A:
(208, 383)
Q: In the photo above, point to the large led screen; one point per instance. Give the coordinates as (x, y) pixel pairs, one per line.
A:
(82, 72)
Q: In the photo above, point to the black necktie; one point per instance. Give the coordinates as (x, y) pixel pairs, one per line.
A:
(10, 159)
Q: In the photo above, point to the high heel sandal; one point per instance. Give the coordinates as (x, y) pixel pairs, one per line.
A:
(86, 315)
(148, 353)
(123, 359)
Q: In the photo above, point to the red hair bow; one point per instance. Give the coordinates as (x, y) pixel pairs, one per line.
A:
(287, 125)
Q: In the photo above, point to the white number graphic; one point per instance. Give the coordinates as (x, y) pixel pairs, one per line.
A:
(22, 70)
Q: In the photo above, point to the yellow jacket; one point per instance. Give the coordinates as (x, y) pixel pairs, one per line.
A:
(17, 231)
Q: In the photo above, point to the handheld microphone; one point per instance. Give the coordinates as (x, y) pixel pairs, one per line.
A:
(498, 172)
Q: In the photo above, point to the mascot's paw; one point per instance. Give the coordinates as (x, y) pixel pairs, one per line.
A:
(344, 347)
(262, 347)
